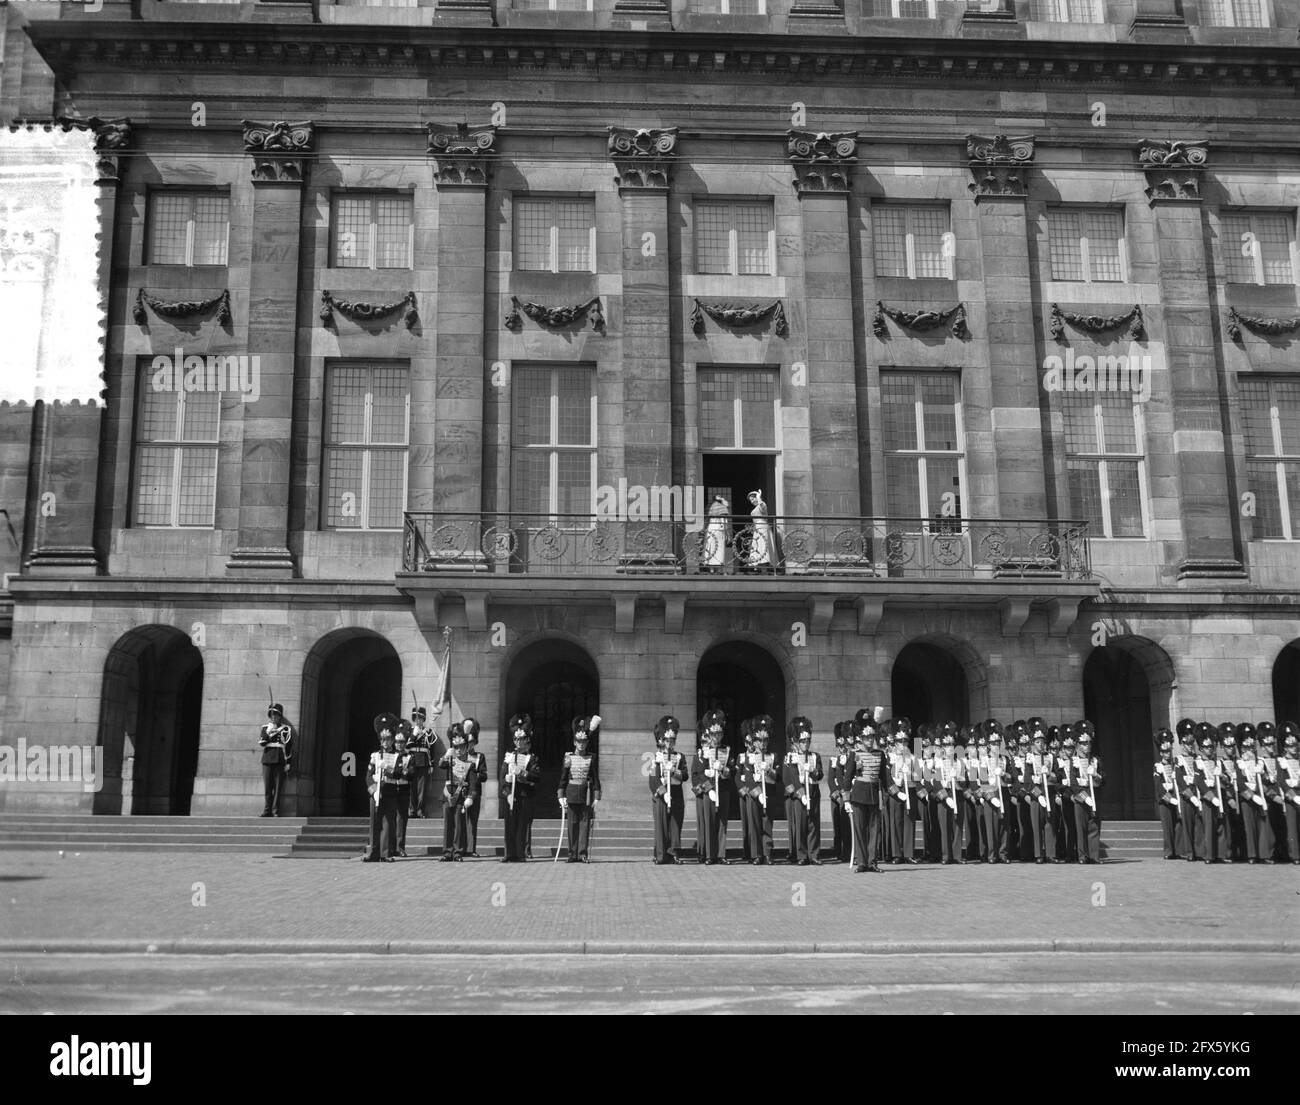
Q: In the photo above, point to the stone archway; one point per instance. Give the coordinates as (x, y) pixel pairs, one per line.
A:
(1286, 684)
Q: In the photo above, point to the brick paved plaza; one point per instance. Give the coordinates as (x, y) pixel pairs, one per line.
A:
(116, 902)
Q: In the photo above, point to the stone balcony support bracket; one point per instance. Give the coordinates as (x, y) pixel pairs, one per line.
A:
(1013, 612)
(1062, 613)
(821, 609)
(624, 612)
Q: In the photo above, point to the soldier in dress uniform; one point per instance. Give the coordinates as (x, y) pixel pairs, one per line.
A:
(1252, 798)
(1189, 791)
(998, 812)
(419, 748)
(947, 798)
(1038, 785)
(275, 739)
(1288, 767)
(868, 773)
(579, 790)
(1231, 828)
(1089, 777)
(402, 780)
(750, 847)
(470, 727)
(1269, 766)
(925, 806)
(1167, 792)
(709, 771)
(800, 774)
(839, 785)
(520, 771)
(383, 791)
(460, 794)
(668, 806)
(767, 775)
(899, 801)
(1209, 788)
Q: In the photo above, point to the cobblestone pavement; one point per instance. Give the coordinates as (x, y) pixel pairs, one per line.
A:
(229, 902)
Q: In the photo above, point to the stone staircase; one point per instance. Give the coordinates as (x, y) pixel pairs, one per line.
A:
(344, 837)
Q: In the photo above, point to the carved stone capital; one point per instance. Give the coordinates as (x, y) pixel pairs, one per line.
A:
(280, 150)
(1173, 169)
(643, 158)
(112, 143)
(462, 155)
(1000, 164)
(822, 162)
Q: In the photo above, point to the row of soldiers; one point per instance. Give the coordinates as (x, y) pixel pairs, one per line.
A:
(1226, 795)
(979, 793)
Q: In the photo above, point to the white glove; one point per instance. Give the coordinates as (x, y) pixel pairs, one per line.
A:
(564, 803)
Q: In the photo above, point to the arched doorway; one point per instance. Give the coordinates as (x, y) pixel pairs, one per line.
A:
(1286, 684)
(349, 676)
(742, 679)
(150, 717)
(1117, 699)
(554, 681)
(928, 684)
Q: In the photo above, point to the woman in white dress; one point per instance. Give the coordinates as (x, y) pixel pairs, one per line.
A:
(761, 553)
(717, 535)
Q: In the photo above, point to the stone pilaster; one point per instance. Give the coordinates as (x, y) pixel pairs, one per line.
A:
(1001, 166)
(280, 153)
(1210, 545)
(823, 165)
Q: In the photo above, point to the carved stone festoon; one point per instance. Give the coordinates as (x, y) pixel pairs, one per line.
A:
(1173, 169)
(822, 162)
(112, 142)
(462, 155)
(1000, 164)
(280, 150)
(643, 158)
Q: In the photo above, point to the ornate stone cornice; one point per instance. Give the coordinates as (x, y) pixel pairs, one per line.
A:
(556, 318)
(953, 317)
(462, 155)
(1000, 164)
(735, 316)
(1173, 168)
(644, 158)
(822, 162)
(1098, 324)
(280, 150)
(112, 142)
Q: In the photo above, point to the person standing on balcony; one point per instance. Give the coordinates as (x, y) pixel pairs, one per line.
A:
(717, 536)
(761, 555)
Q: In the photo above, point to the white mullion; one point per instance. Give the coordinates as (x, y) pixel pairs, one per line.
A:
(1085, 255)
(553, 439)
(554, 218)
(1283, 501)
(909, 243)
(368, 411)
(733, 244)
(189, 231)
(737, 413)
(922, 474)
(1140, 443)
(373, 260)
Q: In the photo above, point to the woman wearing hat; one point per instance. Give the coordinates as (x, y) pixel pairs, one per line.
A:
(760, 555)
(717, 535)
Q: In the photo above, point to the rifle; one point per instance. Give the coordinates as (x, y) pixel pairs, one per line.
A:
(514, 775)
(805, 776)
(564, 816)
(762, 780)
(1092, 794)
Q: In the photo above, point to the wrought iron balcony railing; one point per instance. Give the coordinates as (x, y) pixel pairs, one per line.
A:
(885, 548)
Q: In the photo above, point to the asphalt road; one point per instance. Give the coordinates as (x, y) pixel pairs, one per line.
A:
(1033, 983)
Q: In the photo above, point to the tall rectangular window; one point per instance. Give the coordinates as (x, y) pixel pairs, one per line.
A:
(555, 234)
(734, 238)
(1271, 414)
(176, 456)
(1257, 247)
(553, 444)
(1105, 461)
(730, 7)
(910, 241)
(372, 231)
(554, 5)
(1234, 13)
(738, 407)
(911, 9)
(1067, 11)
(188, 228)
(924, 444)
(367, 413)
(1086, 244)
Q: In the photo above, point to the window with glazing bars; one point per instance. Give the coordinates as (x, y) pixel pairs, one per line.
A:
(738, 407)
(923, 443)
(372, 231)
(1105, 459)
(555, 234)
(911, 9)
(554, 5)
(188, 228)
(1234, 13)
(1067, 11)
(1270, 412)
(1086, 245)
(730, 7)
(1257, 247)
(175, 455)
(909, 241)
(734, 237)
(553, 443)
(367, 412)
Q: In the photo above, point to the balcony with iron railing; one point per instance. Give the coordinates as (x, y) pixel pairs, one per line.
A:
(824, 564)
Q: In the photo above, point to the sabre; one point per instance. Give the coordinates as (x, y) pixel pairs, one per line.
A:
(564, 814)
